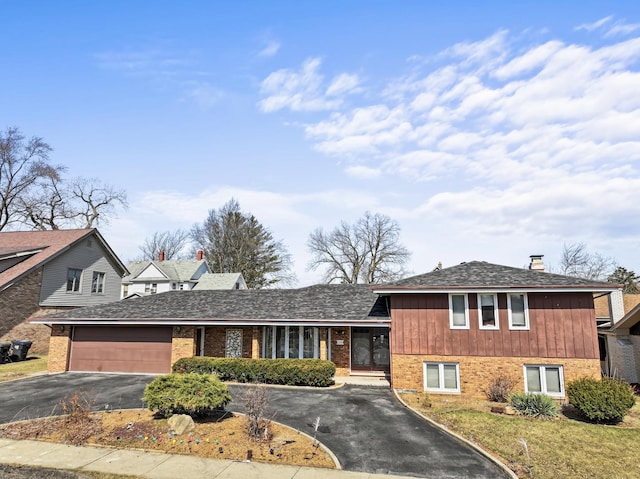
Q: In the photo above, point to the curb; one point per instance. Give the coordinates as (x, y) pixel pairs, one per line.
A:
(457, 436)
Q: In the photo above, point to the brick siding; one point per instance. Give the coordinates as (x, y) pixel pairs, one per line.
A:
(476, 373)
(19, 301)
(341, 353)
(59, 347)
(183, 344)
(215, 341)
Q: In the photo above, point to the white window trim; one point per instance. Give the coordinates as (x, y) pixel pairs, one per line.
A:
(543, 382)
(79, 282)
(495, 311)
(99, 275)
(466, 311)
(441, 388)
(526, 313)
(316, 341)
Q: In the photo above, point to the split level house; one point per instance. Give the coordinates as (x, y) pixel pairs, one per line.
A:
(452, 330)
(152, 277)
(44, 272)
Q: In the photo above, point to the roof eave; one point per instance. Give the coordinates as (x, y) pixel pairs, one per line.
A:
(383, 321)
(495, 289)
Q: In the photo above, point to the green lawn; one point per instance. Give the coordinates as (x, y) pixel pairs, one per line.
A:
(542, 449)
(19, 369)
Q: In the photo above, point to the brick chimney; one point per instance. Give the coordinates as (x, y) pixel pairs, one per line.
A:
(161, 256)
(536, 263)
(199, 255)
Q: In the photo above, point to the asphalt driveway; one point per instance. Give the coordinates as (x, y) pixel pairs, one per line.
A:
(365, 427)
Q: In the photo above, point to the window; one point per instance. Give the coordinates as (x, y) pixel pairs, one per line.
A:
(544, 380)
(518, 311)
(151, 288)
(73, 280)
(458, 311)
(291, 342)
(488, 311)
(97, 283)
(442, 377)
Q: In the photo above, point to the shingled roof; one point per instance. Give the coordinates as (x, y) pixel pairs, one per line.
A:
(174, 270)
(32, 249)
(487, 276)
(320, 304)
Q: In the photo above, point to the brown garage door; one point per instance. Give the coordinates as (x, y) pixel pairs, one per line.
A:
(121, 349)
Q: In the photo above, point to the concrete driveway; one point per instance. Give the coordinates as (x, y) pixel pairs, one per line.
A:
(365, 427)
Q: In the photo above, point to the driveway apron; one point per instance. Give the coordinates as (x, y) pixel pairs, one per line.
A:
(365, 427)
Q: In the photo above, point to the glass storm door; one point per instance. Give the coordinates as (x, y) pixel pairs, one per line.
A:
(370, 349)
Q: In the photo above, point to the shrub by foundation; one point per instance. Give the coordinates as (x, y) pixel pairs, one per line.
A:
(605, 401)
(534, 405)
(292, 372)
(193, 394)
(499, 389)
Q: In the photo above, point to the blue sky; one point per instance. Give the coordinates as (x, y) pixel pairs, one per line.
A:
(487, 130)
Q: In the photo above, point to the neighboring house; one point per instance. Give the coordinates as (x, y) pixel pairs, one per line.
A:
(151, 277)
(221, 281)
(619, 336)
(452, 330)
(43, 272)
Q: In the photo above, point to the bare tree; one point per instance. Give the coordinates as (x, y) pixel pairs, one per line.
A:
(578, 262)
(236, 242)
(46, 206)
(367, 252)
(23, 162)
(95, 202)
(171, 243)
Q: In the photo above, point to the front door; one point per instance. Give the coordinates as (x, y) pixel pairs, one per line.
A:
(370, 349)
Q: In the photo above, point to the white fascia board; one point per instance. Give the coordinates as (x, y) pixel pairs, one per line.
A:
(495, 290)
(204, 322)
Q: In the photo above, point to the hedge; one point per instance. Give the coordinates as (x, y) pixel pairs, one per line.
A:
(292, 372)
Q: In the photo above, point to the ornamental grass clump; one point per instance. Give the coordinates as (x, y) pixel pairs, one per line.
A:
(194, 394)
(534, 405)
(605, 401)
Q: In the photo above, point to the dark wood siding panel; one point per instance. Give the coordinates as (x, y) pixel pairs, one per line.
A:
(416, 309)
(561, 325)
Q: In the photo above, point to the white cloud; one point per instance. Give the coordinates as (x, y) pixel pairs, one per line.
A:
(512, 140)
(204, 94)
(595, 25)
(270, 49)
(343, 83)
(303, 90)
(363, 172)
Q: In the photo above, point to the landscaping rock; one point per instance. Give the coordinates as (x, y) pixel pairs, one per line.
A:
(181, 423)
(510, 411)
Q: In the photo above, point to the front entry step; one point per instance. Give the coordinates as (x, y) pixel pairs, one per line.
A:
(364, 380)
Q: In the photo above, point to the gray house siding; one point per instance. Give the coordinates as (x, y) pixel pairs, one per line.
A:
(88, 256)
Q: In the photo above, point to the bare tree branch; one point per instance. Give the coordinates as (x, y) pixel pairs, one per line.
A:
(171, 243)
(95, 202)
(578, 262)
(22, 164)
(366, 252)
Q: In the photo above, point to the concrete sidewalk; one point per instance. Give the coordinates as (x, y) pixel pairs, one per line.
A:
(155, 465)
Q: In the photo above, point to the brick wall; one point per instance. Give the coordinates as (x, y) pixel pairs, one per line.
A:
(340, 353)
(59, 346)
(215, 339)
(183, 344)
(20, 301)
(477, 372)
